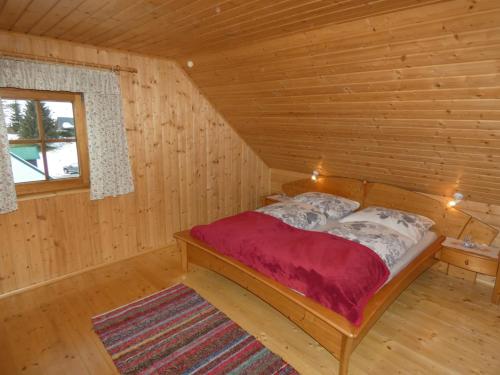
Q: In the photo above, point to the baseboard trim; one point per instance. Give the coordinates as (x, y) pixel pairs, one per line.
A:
(11, 293)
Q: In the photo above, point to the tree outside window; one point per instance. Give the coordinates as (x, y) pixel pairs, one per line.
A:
(47, 140)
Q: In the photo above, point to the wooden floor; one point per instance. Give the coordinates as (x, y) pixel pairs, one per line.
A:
(440, 325)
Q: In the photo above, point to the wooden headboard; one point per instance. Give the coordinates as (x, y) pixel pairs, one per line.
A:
(449, 221)
(344, 187)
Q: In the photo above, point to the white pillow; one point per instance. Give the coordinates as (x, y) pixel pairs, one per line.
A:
(333, 206)
(408, 224)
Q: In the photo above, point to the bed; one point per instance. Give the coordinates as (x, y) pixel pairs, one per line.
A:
(334, 332)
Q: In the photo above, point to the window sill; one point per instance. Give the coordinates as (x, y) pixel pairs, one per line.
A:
(28, 197)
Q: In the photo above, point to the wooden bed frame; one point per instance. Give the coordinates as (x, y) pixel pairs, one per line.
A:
(331, 330)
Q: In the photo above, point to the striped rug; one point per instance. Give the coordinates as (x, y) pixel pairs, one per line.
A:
(176, 331)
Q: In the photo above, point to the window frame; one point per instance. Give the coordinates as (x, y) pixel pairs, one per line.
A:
(48, 186)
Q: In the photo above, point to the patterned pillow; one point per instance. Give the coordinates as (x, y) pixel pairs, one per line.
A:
(389, 244)
(296, 214)
(406, 223)
(333, 206)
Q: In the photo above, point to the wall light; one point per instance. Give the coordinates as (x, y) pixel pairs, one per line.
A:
(190, 64)
(457, 198)
(314, 176)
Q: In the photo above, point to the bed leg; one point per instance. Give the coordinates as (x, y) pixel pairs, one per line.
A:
(347, 347)
(183, 250)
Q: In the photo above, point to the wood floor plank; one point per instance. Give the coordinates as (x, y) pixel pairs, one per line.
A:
(439, 325)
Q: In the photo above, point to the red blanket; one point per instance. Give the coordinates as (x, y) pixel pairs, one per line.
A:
(339, 274)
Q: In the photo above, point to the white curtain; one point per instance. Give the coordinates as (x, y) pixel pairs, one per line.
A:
(8, 201)
(110, 172)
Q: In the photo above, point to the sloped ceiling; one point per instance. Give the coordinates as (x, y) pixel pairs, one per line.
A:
(402, 92)
(411, 98)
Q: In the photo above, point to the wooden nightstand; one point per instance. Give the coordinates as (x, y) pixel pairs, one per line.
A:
(483, 259)
(270, 199)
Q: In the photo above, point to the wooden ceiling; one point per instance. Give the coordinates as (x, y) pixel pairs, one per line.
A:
(399, 91)
(171, 28)
(411, 98)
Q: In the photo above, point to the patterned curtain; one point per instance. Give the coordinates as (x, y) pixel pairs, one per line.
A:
(8, 200)
(110, 172)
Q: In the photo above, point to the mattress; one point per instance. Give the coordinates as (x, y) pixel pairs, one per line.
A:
(412, 253)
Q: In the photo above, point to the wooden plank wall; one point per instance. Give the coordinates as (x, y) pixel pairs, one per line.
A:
(189, 166)
(409, 98)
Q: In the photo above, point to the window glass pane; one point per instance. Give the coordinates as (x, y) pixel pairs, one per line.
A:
(27, 163)
(62, 158)
(58, 119)
(20, 119)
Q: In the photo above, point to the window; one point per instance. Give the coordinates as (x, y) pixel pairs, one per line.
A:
(47, 140)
